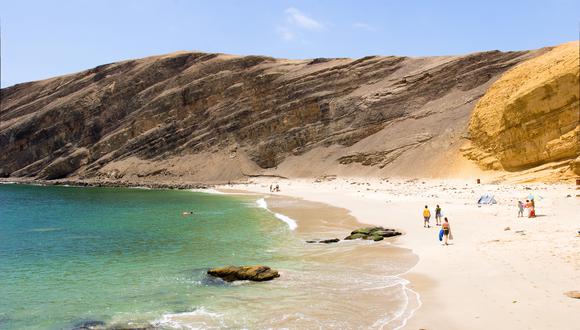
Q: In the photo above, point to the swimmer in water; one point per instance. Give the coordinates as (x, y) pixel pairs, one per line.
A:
(187, 213)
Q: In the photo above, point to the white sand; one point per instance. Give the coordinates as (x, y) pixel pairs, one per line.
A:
(489, 277)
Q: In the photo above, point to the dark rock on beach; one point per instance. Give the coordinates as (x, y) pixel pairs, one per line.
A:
(244, 273)
(372, 233)
(325, 241)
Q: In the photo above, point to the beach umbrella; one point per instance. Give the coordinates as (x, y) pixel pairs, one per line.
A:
(534, 197)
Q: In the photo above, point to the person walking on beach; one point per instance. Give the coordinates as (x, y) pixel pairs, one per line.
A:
(426, 217)
(446, 231)
(520, 209)
(438, 215)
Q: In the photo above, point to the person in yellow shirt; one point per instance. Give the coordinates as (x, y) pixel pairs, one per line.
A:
(426, 217)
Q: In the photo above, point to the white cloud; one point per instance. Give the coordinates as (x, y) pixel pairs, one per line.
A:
(364, 26)
(285, 33)
(297, 18)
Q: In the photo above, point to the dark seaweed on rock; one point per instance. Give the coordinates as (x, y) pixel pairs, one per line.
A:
(372, 233)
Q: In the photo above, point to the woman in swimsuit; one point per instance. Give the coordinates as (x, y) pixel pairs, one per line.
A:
(446, 230)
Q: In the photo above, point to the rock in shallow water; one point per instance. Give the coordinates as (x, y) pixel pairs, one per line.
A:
(244, 273)
(325, 241)
(100, 325)
(90, 325)
(372, 233)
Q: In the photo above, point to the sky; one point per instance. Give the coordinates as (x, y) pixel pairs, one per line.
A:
(41, 39)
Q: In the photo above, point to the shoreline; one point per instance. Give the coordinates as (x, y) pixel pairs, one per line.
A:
(106, 183)
(370, 272)
(310, 224)
(491, 275)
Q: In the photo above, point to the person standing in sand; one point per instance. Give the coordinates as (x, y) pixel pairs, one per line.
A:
(528, 207)
(438, 215)
(532, 212)
(520, 209)
(446, 231)
(426, 217)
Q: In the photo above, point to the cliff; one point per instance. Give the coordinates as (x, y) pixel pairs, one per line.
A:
(213, 117)
(530, 116)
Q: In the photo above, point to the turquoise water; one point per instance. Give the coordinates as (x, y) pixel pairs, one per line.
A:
(117, 255)
(69, 254)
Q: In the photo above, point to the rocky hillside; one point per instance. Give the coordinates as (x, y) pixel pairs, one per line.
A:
(531, 115)
(213, 117)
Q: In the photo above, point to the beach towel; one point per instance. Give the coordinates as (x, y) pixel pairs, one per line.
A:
(440, 235)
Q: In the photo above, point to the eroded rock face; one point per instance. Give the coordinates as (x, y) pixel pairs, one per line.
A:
(530, 115)
(172, 115)
(244, 273)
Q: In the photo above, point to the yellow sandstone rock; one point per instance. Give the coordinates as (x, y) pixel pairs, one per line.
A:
(530, 115)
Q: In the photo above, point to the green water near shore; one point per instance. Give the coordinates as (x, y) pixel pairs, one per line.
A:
(71, 254)
(68, 254)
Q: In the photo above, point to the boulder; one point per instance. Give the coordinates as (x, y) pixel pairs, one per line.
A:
(331, 240)
(372, 233)
(356, 236)
(244, 273)
(325, 241)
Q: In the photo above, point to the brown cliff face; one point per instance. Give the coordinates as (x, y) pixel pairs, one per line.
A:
(531, 115)
(215, 117)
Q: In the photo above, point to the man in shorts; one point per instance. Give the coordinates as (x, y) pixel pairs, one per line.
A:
(426, 217)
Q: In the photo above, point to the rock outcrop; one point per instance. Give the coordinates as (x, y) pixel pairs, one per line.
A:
(530, 116)
(244, 273)
(197, 117)
(372, 233)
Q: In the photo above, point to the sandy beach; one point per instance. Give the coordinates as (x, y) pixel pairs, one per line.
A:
(500, 271)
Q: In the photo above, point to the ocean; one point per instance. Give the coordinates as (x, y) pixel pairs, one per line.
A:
(70, 255)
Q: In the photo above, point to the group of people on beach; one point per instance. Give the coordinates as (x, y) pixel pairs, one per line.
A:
(445, 232)
(274, 188)
(529, 207)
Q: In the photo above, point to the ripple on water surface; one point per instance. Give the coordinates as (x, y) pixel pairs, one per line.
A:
(69, 254)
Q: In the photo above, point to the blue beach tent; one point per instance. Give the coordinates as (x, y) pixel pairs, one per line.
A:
(486, 199)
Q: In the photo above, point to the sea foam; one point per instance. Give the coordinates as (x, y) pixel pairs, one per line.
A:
(289, 221)
(181, 320)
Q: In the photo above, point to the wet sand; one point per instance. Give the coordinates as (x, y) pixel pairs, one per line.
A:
(350, 284)
(491, 275)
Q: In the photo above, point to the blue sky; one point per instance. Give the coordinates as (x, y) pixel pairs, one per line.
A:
(41, 39)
